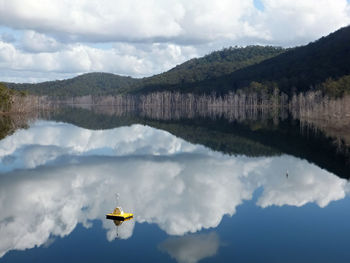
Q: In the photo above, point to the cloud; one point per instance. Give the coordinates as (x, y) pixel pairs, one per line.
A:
(28, 76)
(150, 37)
(123, 59)
(127, 21)
(36, 42)
(311, 19)
(173, 21)
(191, 248)
(59, 175)
(303, 185)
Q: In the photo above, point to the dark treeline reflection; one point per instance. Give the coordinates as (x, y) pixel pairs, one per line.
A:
(231, 130)
(9, 123)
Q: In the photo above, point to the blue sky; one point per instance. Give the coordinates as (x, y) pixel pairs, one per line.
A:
(52, 39)
(258, 4)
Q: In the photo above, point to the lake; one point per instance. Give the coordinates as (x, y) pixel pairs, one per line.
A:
(202, 189)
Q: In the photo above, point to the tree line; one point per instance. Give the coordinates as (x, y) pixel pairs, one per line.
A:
(12, 101)
(311, 104)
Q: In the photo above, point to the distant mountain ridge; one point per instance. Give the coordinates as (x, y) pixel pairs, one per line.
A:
(97, 83)
(317, 65)
(215, 64)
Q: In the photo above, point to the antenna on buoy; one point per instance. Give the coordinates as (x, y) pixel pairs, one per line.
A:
(117, 195)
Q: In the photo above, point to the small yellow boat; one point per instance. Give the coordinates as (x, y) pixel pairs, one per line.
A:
(118, 214)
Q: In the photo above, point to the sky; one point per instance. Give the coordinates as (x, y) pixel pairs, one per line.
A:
(44, 40)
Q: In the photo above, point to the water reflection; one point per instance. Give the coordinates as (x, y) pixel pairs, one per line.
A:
(191, 248)
(260, 137)
(55, 175)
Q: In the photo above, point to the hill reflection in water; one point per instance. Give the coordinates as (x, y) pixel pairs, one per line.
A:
(56, 175)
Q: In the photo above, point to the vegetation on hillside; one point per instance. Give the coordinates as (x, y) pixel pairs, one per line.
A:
(6, 98)
(87, 84)
(216, 64)
(13, 101)
(296, 70)
(320, 65)
(337, 87)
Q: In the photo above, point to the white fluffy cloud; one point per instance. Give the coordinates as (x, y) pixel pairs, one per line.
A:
(128, 20)
(123, 59)
(36, 42)
(58, 181)
(148, 37)
(296, 22)
(179, 21)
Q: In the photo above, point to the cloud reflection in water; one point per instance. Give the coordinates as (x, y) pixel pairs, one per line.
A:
(192, 248)
(55, 175)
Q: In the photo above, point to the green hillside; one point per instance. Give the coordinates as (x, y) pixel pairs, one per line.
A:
(299, 69)
(304, 67)
(216, 64)
(86, 84)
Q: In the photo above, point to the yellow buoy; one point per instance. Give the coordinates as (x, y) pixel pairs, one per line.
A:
(118, 214)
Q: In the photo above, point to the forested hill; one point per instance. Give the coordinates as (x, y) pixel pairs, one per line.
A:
(323, 64)
(304, 67)
(216, 64)
(86, 84)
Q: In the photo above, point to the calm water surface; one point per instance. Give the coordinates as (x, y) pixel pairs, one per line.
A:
(191, 203)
